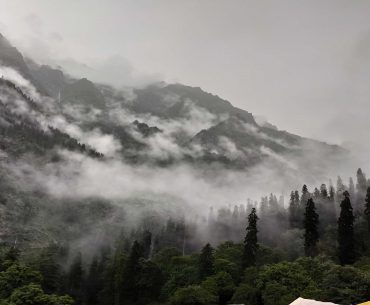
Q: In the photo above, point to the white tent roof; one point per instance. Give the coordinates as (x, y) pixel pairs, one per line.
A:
(301, 301)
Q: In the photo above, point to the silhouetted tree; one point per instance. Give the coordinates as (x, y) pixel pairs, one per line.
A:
(361, 187)
(93, 283)
(311, 235)
(130, 274)
(316, 193)
(323, 191)
(351, 188)
(346, 251)
(206, 262)
(367, 208)
(147, 243)
(293, 210)
(250, 241)
(76, 280)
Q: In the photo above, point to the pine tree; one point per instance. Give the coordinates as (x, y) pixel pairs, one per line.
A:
(316, 193)
(340, 185)
(367, 208)
(305, 196)
(346, 251)
(250, 241)
(50, 269)
(311, 235)
(340, 189)
(292, 211)
(323, 191)
(264, 207)
(76, 280)
(93, 283)
(361, 187)
(147, 243)
(130, 274)
(206, 262)
(361, 181)
(351, 188)
(332, 214)
(331, 193)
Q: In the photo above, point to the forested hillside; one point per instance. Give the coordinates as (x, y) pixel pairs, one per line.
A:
(138, 196)
(316, 247)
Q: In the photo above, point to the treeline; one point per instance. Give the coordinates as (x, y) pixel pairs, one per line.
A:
(317, 246)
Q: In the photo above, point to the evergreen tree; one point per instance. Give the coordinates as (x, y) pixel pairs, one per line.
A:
(316, 193)
(206, 262)
(346, 251)
(93, 283)
(361, 181)
(340, 185)
(147, 243)
(130, 275)
(331, 194)
(305, 196)
(361, 187)
(323, 191)
(264, 207)
(76, 280)
(50, 269)
(250, 241)
(332, 214)
(292, 211)
(311, 235)
(351, 188)
(367, 208)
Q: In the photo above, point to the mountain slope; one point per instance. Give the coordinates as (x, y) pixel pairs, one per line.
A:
(168, 101)
(187, 122)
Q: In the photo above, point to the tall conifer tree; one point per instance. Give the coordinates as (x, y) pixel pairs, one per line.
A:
(206, 262)
(367, 208)
(346, 251)
(311, 235)
(251, 241)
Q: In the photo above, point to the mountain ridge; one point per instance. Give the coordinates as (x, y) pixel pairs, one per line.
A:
(227, 133)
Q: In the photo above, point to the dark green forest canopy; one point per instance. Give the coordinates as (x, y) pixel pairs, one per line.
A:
(171, 265)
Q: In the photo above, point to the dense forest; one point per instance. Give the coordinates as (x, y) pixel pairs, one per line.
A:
(317, 246)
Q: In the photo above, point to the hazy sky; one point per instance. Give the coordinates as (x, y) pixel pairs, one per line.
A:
(304, 65)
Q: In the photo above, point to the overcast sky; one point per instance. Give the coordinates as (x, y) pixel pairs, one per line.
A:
(304, 65)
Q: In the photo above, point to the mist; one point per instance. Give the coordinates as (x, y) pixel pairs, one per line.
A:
(112, 178)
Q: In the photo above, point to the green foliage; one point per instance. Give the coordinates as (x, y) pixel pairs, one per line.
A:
(184, 272)
(16, 276)
(193, 295)
(149, 282)
(20, 285)
(284, 282)
(346, 285)
(32, 294)
(221, 285)
(247, 295)
(206, 262)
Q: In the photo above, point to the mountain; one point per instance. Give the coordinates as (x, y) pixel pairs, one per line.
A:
(83, 92)
(169, 101)
(92, 149)
(11, 57)
(196, 125)
(53, 80)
